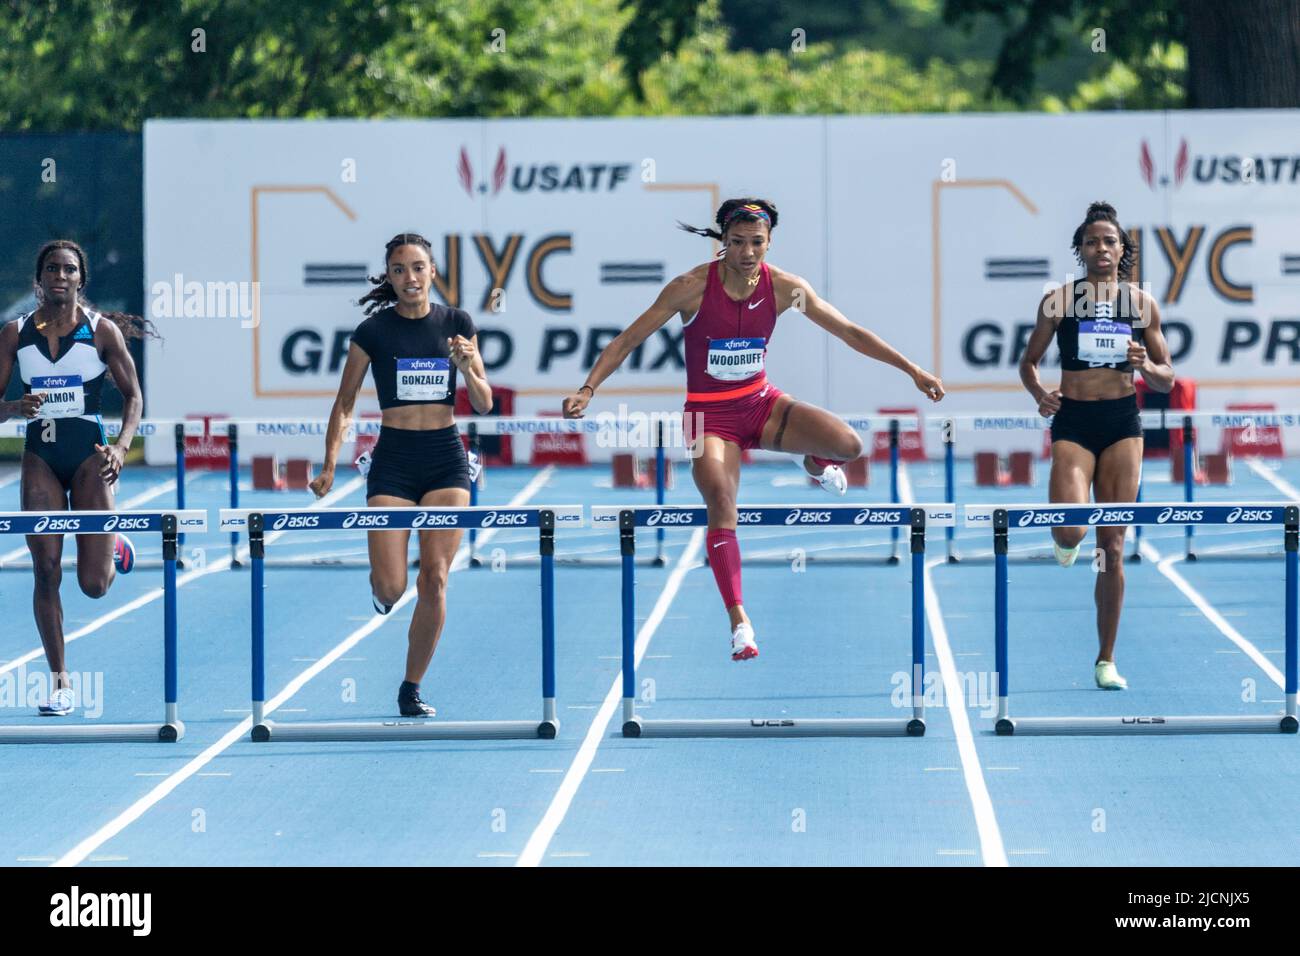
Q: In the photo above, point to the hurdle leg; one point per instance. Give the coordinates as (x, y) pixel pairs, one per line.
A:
(1004, 726)
(257, 554)
(660, 482)
(949, 482)
(232, 437)
(474, 560)
(893, 487)
(172, 729)
(1290, 724)
(550, 725)
(916, 726)
(1189, 481)
(1136, 556)
(627, 547)
(180, 480)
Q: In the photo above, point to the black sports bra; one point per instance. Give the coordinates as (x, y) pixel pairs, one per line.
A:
(1095, 334)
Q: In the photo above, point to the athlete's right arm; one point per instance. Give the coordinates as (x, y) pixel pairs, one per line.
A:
(1049, 403)
(354, 375)
(26, 406)
(676, 296)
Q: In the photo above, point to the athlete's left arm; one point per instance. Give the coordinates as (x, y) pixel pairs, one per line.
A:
(1153, 359)
(113, 350)
(464, 352)
(802, 296)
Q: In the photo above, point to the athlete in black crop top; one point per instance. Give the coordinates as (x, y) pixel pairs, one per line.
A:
(1107, 329)
(417, 351)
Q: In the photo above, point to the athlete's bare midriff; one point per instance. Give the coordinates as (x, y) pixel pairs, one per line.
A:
(419, 417)
(1096, 384)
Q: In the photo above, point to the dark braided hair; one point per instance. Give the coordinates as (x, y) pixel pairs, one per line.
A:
(733, 210)
(383, 293)
(132, 326)
(1105, 212)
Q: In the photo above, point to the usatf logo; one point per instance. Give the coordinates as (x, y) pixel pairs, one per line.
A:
(1148, 166)
(1040, 518)
(364, 521)
(1108, 515)
(543, 177)
(1249, 514)
(800, 516)
(497, 518)
(1179, 514)
(670, 517)
(56, 524)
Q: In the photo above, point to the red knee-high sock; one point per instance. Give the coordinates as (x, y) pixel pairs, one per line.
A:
(724, 558)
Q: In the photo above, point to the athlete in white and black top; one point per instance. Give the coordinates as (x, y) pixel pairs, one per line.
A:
(416, 351)
(63, 351)
(1107, 329)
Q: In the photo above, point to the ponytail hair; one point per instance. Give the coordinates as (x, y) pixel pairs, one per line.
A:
(747, 209)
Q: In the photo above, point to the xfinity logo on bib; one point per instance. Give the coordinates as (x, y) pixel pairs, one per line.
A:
(800, 516)
(1108, 515)
(670, 517)
(497, 518)
(1179, 514)
(1249, 514)
(365, 521)
(296, 521)
(56, 524)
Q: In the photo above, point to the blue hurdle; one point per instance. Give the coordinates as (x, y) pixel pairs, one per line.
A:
(257, 522)
(916, 518)
(1002, 518)
(166, 523)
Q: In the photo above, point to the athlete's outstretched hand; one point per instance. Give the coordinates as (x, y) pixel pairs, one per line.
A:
(576, 403)
(1050, 404)
(927, 383)
(322, 483)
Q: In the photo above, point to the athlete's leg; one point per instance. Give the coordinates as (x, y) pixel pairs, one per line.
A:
(1118, 474)
(94, 551)
(801, 429)
(388, 553)
(1073, 467)
(41, 491)
(716, 470)
(437, 550)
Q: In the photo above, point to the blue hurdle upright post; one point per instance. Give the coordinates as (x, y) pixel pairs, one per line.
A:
(949, 436)
(167, 523)
(1189, 482)
(660, 481)
(475, 449)
(893, 487)
(544, 519)
(1120, 514)
(232, 436)
(915, 517)
(180, 476)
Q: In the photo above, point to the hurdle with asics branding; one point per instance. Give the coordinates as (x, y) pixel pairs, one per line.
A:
(180, 428)
(915, 517)
(167, 523)
(257, 522)
(1001, 519)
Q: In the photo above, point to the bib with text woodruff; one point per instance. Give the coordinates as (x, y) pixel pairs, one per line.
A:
(423, 379)
(732, 360)
(64, 395)
(1104, 342)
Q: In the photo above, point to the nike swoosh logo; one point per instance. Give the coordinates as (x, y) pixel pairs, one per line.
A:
(755, 305)
(720, 544)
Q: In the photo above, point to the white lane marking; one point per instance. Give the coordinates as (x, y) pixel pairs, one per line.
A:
(1164, 566)
(136, 810)
(150, 596)
(493, 856)
(1277, 481)
(541, 837)
(986, 821)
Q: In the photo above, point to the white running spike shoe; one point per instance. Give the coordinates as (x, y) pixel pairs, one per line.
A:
(742, 643)
(832, 478)
(60, 704)
(1065, 556)
(1107, 676)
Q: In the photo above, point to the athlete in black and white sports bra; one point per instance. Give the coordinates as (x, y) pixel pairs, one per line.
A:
(63, 351)
(1107, 329)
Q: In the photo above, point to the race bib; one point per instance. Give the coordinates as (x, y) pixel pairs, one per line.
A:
(423, 379)
(1104, 342)
(731, 360)
(64, 395)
